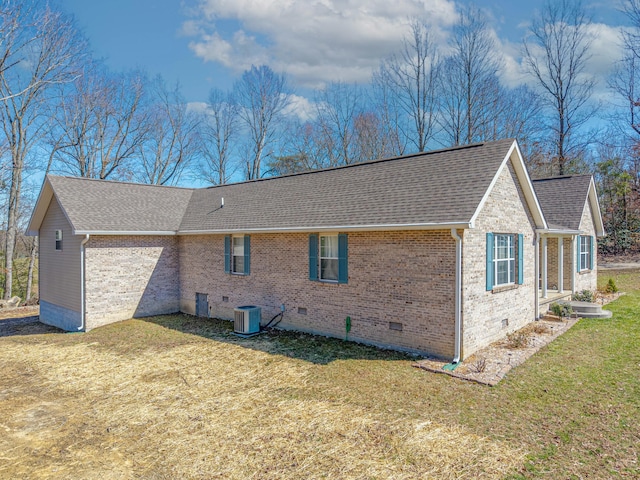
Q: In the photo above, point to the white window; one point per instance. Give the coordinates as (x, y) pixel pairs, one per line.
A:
(237, 256)
(585, 252)
(58, 239)
(504, 259)
(329, 257)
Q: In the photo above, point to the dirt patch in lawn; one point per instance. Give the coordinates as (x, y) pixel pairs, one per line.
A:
(105, 405)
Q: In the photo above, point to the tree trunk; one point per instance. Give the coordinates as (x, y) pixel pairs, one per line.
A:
(32, 263)
(12, 224)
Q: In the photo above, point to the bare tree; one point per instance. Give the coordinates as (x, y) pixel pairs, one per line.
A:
(556, 52)
(218, 137)
(262, 96)
(337, 106)
(469, 82)
(101, 124)
(170, 144)
(41, 50)
(408, 81)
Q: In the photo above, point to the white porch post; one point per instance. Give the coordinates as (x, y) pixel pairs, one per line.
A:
(560, 266)
(544, 267)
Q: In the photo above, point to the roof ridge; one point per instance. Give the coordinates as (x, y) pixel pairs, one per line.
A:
(118, 182)
(559, 177)
(366, 162)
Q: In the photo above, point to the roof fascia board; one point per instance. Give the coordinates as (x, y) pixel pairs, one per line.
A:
(552, 231)
(42, 204)
(525, 182)
(127, 233)
(595, 209)
(47, 193)
(341, 228)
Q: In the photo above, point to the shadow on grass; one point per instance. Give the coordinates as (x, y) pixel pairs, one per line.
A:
(303, 346)
(10, 327)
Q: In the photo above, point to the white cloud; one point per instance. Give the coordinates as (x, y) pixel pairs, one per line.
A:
(300, 107)
(314, 42)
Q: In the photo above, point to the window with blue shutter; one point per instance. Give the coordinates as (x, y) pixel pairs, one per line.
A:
(328, 258)
(343, 253)
(227, 254)
(505, 259)
(489, 261)
(585, 252)
(237, 254)
(520, 259)
(313, 257)
(247, 254)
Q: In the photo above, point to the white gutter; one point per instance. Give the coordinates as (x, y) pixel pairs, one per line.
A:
(342, 228)
(128, 233)
(458, 295)
(82, 292)
(330, 228)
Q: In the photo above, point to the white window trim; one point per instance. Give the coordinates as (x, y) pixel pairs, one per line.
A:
(58, 240)
(511, 260)
(585, 254)
(233, 255)
(320, 257)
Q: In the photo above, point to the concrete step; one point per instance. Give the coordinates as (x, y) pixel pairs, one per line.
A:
(601, 314)
(585, 307)
(589, 310)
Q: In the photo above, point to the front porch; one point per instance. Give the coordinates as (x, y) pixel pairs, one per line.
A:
(545, 302)
(557, 260)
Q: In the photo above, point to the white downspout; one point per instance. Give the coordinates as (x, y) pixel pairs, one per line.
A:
(82, 292)
(537, 276)
(458, 295)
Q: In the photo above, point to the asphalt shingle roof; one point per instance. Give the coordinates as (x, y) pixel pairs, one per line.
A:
(438, 187)
(98, 205)
(562, 199)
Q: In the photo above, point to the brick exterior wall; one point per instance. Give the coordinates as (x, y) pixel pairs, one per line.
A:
(130, 276)
(403, 277)
(588, 279)
(490, 315)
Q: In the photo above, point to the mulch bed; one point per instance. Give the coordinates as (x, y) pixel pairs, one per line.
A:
(489, 365)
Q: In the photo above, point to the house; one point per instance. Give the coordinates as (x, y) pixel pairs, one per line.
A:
(436, 253)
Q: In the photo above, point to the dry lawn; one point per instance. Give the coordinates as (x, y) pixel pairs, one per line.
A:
(139, 400)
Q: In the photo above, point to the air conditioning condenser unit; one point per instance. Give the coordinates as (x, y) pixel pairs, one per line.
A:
(246, 319)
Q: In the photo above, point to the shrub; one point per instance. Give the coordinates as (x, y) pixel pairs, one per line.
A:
(583, 296)
(540, 328)
(561, 309)
(611, 286)
(519, 339)
(479, 365)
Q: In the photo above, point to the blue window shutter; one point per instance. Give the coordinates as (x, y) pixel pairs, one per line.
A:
(578, 255)
(520, 259)
(489, 261)
(313, 257)
(227, 254)
(591, 245)
(247, 254)
(343, 253)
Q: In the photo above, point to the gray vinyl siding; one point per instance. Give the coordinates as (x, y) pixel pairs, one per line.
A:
(59, 269)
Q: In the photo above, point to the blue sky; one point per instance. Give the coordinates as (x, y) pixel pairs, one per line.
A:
(208, 43)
